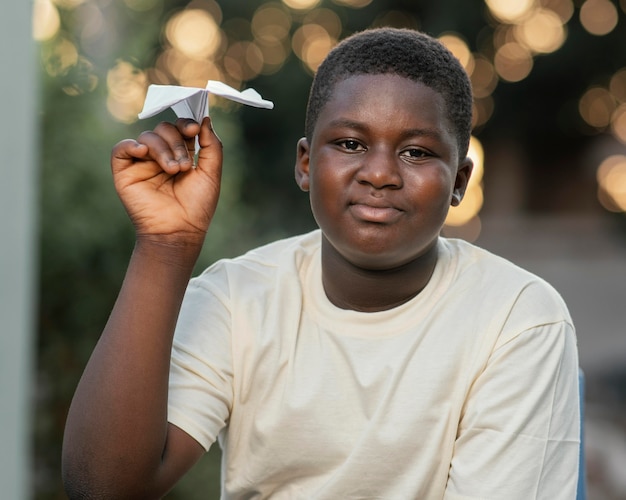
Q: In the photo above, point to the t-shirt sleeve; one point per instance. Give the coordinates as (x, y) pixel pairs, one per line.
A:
(519, 434)
(201, 374)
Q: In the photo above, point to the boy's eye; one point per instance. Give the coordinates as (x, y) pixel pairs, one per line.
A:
(350, 145)
(414, 153)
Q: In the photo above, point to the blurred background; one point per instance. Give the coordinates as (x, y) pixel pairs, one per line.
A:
(549, 142)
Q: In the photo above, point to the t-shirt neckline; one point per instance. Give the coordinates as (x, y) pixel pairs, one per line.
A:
(380, 323)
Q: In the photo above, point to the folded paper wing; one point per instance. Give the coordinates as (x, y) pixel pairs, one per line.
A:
(193, 102)
(249, 97)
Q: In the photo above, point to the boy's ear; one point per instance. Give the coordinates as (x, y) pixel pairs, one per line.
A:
(302, 164)
(463, 174)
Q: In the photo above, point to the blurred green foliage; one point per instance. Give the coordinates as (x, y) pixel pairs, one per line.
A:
(86, 238)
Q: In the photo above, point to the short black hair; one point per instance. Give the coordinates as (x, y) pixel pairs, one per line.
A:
(408, 53)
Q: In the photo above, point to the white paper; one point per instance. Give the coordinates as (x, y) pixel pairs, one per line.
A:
(193, 102)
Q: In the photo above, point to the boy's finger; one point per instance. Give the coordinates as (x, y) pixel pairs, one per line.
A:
(176, 138)
(210, 154)
(166, 155)
(128, 150)
(207, 136)
(187, 127)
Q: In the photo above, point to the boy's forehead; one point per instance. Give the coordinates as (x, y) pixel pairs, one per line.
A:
(373, 80)
(355, 87)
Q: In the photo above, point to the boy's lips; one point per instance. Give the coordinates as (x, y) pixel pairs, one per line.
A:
(375, 211)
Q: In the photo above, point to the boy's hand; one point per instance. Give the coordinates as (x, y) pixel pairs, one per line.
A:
(165, 196)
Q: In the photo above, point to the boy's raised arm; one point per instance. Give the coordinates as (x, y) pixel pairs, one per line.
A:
(117, 441)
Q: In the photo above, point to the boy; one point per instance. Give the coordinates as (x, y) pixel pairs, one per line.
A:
(368, 359)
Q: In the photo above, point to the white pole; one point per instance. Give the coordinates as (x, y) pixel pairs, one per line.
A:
(18, 187)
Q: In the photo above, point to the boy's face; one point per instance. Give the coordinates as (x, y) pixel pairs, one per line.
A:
(382, 169)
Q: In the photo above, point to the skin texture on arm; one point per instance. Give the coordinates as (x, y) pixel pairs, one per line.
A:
(117, 442)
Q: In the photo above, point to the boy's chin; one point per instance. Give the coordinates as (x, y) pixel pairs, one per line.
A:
(384, 259)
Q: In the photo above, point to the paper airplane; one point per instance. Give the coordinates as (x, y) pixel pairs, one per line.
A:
(193, 102)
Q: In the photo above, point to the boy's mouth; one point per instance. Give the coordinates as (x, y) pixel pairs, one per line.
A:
(377, 211)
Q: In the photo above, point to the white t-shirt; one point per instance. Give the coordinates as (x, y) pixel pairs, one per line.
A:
(469, 390)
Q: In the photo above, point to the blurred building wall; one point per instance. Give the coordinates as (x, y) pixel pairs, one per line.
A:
(18, 146)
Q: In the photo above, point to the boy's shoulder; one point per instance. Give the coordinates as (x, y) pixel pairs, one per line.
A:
(494, 278)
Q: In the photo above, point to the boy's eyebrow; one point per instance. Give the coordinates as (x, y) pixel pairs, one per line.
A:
(412, 132)
(343, 122)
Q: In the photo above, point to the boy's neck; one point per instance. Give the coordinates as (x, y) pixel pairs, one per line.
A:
(350, 287)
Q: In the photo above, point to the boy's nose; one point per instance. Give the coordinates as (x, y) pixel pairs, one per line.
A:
(380, 170)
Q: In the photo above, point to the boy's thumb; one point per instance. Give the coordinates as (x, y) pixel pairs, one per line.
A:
(210, 154)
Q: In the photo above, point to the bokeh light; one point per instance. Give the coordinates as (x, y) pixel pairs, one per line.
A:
(483, 109)
(484, 78)
(617, 85)
(326, 18)
(510, 11)
(503, 34)
(46, 20)
(611, 176)
(596, 107)
(525, 29)
(126, 87)
(562, 8)
(541, 32)
(185, 71)
(271, 24)
(192, 74)
(84, 78)
(618, 123)
(243, 61)
(513, 62)
(274, 56)
(59, 56)
(311, 43)
(301, 4)
(598, 17)
(195, 33)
